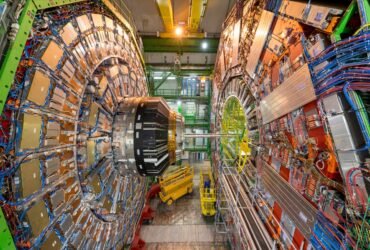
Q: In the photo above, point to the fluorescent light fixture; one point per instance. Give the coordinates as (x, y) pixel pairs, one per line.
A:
(204, 45)
(171, 78)
(157, 78)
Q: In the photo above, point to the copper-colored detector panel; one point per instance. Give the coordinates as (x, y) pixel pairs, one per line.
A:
(90, 152)
(39, 88)
(52, 242)
(38, 218)
(30, 175)
(31, 131)
(52, 55)
(68, 33)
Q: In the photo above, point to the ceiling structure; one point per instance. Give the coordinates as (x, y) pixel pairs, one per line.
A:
(216, 13)
(191, 52)
(148, 19)
(146, 16)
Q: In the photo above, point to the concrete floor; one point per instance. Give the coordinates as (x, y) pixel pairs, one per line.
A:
(181, 225)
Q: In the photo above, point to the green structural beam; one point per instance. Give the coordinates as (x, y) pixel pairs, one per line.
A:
(6, 240)
(197, 124)
(186, 70)
(45, 4)
(362, 7)
(12, 58)
(190, 45)
(160, 83)
(342, 27)
(15, 50)
(197, 149)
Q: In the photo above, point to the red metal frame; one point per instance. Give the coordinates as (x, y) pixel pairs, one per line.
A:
(147, 215)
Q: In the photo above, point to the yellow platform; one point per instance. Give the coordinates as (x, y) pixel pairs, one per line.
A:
(207, 193)
(176, 184)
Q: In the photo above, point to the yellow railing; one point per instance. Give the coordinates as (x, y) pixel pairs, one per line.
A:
(176, 184)
(207, 193)
(244, 153)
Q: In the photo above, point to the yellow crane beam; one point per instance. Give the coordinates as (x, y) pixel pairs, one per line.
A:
(186, 35)
(197, 9)
(166, 10)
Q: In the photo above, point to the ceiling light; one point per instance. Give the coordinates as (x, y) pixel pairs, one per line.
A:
(157, 78)
(171, 78)
(204, 45)
(178, 31)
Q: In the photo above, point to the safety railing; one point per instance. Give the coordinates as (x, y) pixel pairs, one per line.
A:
(178, 93)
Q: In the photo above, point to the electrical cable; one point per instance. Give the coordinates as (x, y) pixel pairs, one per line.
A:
(14, 167)
(363, 222)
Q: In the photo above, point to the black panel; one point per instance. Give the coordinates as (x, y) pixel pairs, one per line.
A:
(153, 135)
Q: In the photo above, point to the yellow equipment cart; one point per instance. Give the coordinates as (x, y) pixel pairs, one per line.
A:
(176, 184)
(207, 193)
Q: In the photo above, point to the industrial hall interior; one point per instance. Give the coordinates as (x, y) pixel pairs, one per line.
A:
(185, 124)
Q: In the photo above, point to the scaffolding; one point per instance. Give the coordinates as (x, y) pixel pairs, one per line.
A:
(192, 99)
(239, 218)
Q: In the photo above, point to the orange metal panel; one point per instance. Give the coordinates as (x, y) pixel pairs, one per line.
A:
(296, 50)
(298, 240)
(275, 75)
(277, 211)
(284, 172)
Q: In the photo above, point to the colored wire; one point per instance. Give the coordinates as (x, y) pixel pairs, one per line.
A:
(14, 168)
(361, 28)
(363, 222)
